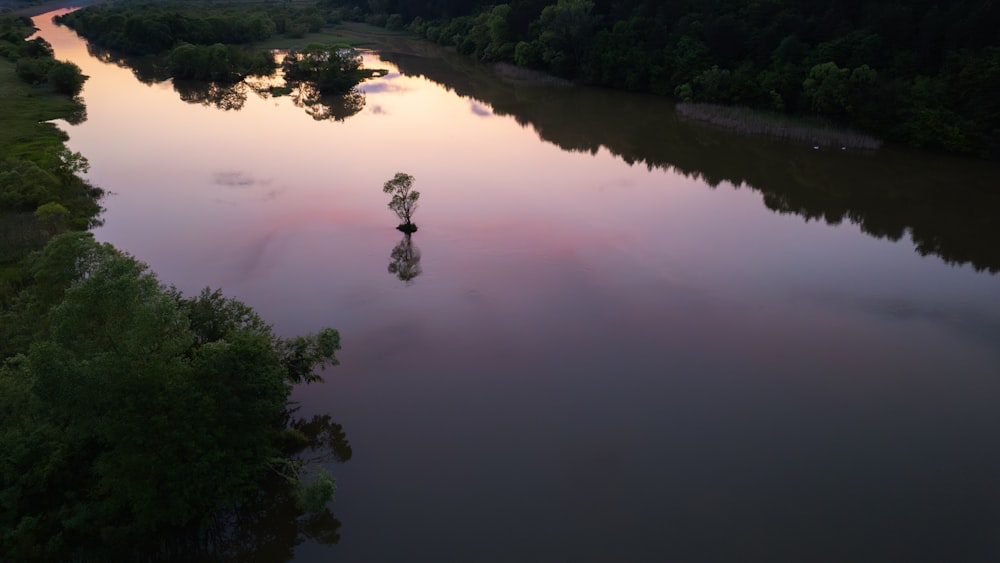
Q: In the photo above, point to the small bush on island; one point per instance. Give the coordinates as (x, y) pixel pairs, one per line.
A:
(333, 69)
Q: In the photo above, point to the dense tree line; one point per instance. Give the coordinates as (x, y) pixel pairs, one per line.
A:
(924, 72)
(151, 28)
(135, 423)
(201, 44)
(154, 28)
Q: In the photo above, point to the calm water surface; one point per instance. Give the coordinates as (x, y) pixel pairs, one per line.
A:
(630, 338)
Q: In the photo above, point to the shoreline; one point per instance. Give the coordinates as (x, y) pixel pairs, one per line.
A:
(755, 123)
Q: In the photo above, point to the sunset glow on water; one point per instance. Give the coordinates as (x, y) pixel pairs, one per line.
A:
(599, 360)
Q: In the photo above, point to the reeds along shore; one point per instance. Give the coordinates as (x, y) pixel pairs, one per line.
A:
(749, 122)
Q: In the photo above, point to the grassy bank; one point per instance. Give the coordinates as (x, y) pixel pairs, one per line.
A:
(353, 34)
(41, 194)
(331, 36)
(24, 109)
(757, 123)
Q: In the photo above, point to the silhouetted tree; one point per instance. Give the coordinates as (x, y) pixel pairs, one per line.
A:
(404, 200)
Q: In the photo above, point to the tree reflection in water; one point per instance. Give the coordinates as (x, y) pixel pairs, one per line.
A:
(233, 96)
(327, 107)
(272, 524)
(214, 94)
(148, 70)
(404, 261)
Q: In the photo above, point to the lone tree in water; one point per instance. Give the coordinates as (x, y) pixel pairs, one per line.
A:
(404, 200)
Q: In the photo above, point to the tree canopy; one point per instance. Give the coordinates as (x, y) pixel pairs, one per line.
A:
(130, 413)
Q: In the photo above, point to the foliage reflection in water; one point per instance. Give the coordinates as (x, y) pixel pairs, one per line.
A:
(404, 260)
(945, 204)
(273, 523)
(327, 107)
(233, 95)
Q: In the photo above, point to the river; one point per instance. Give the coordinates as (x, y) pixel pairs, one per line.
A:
(616, 336)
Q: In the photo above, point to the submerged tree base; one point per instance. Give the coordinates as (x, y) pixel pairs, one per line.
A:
(407, 227)
(753, 122)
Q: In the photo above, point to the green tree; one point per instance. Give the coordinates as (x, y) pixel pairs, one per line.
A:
(26, 185)
(404, 199)
(66, 78)
(34, 70)
(566, 27)
(137, 414)
(53, 216)
(714, 85)
(827, 88)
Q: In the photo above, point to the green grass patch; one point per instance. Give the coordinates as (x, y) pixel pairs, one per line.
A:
(23, 111)
(353, 34)
(332, 36)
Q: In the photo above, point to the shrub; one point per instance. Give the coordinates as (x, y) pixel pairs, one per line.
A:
(66, 78)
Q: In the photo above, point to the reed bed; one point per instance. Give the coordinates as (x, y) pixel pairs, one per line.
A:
(507, 71)
(750, 122)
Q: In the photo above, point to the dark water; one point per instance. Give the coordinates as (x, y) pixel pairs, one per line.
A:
(617, 336)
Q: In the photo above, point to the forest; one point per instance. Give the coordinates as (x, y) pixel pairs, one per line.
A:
(135, 422)
(921, 72)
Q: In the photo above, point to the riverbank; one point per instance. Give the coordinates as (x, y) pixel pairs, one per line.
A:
(40, 196)
(756, 123)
